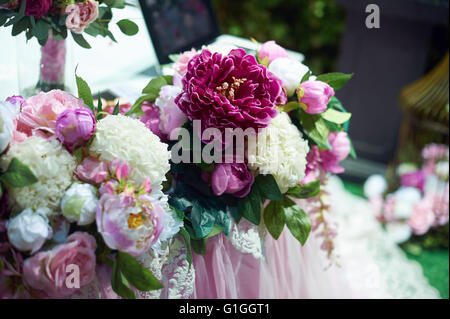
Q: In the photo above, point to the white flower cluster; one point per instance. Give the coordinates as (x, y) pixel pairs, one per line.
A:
(280, 151)
(52, 165)
(119, 136)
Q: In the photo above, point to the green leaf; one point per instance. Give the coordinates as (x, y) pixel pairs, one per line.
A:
(335, 80)
(119, 284)
(352, 150)
(187, 240)
(199, 246)
(80, 40)
(128, 27)
(337, 117)
(268, 187)
(174, 57)
(1, 190)
(250, 206)
(19, 15)
(136, 274)
(136, 108)
(306, 76)
(315, 128)
(155, 85)
(18, 174)
(291, 106)
(119, 4)
(306, 191)
(40, 30)
(116, 108)
(20, 26)
(274, 218)
(84, 93)
(216, 230)
(202, 220)
(296, 220)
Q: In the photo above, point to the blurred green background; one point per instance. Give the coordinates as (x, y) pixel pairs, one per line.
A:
(312, 27)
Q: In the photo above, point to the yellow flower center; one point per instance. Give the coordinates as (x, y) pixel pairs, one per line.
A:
(229, 90)
(135, 221)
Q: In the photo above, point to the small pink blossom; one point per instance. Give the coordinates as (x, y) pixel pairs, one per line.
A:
(340, 149)
(414, 179)
(119, 168)
(91, 170)
(181, 65)
(151, 119)
(435, 152)
(314, 96)
(422, 217)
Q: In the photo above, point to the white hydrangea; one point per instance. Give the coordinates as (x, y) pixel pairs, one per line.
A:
(120, 136)
(280, 151)
(52, 165)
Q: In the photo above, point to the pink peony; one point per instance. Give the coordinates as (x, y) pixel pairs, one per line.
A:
(182, 64)
(414, 179)
(314, 96)
(232, 178)
(340, 148)
(435, 152)
(232, 91)
(171, 117)
(75, 127)
(128, 224)
(272, 51)
(48, 270)
(37, 8)
(151, 119)
(91, 170)
(80, 15)
(39, 114)
(422, 216)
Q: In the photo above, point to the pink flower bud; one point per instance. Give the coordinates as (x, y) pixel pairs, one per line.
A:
(272, 51)
(147, 185)
(119, 168)
(75, 127)
(314, 96)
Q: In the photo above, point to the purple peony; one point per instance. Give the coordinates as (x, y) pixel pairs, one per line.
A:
(75, 127)
(37, 8)
(232, 91)
(233, 178)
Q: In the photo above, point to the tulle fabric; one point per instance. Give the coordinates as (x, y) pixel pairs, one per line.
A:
(288, 271)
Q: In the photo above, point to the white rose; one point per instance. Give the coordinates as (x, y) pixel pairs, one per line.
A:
(29, 230)
(375, 186)
(405, 199)
(406, 168)
(79, 203)
(289, 71)
(6, 125)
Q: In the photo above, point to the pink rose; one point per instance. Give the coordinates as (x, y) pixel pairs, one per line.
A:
(314, 96)
(91, 170)
(181, 65)
(80, 15)
(272, 51)
(37, 8)
(422, 217)
(340, 148)
(48, 270)
(39, 114)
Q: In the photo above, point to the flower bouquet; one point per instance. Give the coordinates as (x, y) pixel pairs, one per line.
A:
(81, 198)
(253, 140)
(416, 213)
(50, 22)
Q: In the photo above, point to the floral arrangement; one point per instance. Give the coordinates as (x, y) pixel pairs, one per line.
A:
(418, 209)
(289, 136)
(39, 18)
(81, 189)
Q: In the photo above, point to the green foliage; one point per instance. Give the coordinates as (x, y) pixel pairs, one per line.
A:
(336, 79)
(84, 93)
(128, 27)
(305, 191)
(150, 92)
(128, 271)
(313, 28)
(18, 174)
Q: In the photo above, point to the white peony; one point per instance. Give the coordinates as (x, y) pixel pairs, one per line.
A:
(280, 151)
(290, 72)
(122, 137)
(29, 230)
(52, 165)
(375, 186)
(79, 203)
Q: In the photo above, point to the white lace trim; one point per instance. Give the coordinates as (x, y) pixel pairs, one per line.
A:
(247, 238)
